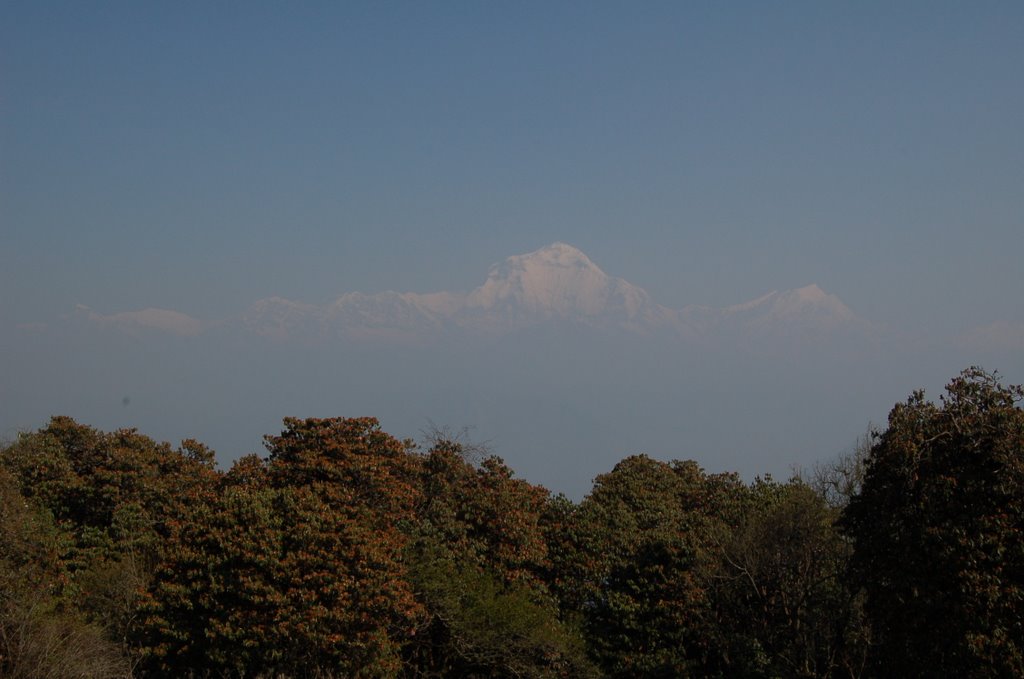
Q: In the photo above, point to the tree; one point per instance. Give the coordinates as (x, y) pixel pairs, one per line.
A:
(644, 543)
(478, 557)
(938, 533)
(115, 497)
(839, 480)
(216, 601)
(782, 606)
(41, 633)
(297, 566)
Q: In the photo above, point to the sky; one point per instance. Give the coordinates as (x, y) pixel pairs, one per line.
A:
(201, 156)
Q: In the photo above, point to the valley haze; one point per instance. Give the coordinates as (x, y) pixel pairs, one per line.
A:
(558, 367)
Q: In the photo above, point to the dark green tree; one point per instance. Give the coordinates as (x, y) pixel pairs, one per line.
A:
(782, 606)
(644, 544)
(42, 632)
(938, 533)
(478, 557)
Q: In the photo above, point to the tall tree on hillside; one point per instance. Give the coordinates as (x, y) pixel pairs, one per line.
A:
(938, 532)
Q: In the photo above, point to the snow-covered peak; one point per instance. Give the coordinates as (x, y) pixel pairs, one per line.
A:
(812, 295)
(557, 254)
(792, 315)
(811, 298)
(808, 299)
(556, 280)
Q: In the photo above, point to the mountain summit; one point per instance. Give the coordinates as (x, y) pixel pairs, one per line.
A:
(558, 282)
(809, 300)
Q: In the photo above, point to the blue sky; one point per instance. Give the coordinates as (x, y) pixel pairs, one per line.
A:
(199, 156)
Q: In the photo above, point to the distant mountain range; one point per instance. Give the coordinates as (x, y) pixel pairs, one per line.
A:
(556, 285)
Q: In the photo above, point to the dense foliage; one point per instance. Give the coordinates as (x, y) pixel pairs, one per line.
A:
(938, 533)
(348, 553)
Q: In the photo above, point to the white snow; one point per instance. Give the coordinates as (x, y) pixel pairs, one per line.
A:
(557, 282)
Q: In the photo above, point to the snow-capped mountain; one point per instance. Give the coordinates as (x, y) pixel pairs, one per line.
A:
(778, 306)
(801, 315)
(557, 284)
(558, 280)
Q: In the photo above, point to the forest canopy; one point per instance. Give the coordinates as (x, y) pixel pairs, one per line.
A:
(345, 552)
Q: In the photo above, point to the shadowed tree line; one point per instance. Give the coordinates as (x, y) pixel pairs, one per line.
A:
(346, 552)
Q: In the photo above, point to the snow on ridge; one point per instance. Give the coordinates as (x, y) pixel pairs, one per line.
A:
(555, 283)
(555, 280)
(752, 304)
(808, 299)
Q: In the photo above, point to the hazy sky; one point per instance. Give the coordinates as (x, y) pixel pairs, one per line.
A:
(198, 156)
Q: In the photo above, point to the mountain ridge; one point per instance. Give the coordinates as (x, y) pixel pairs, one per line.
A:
(557, 284)
(560, 284)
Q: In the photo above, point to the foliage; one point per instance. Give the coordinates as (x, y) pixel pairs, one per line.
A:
(478, 561)
(39, 635)
(297, 566)
(115, 498)
(937, 532)
(783, 607)
(346, 552)
(643, 544)
(213, 605)
(483, 626)
(481, 513)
